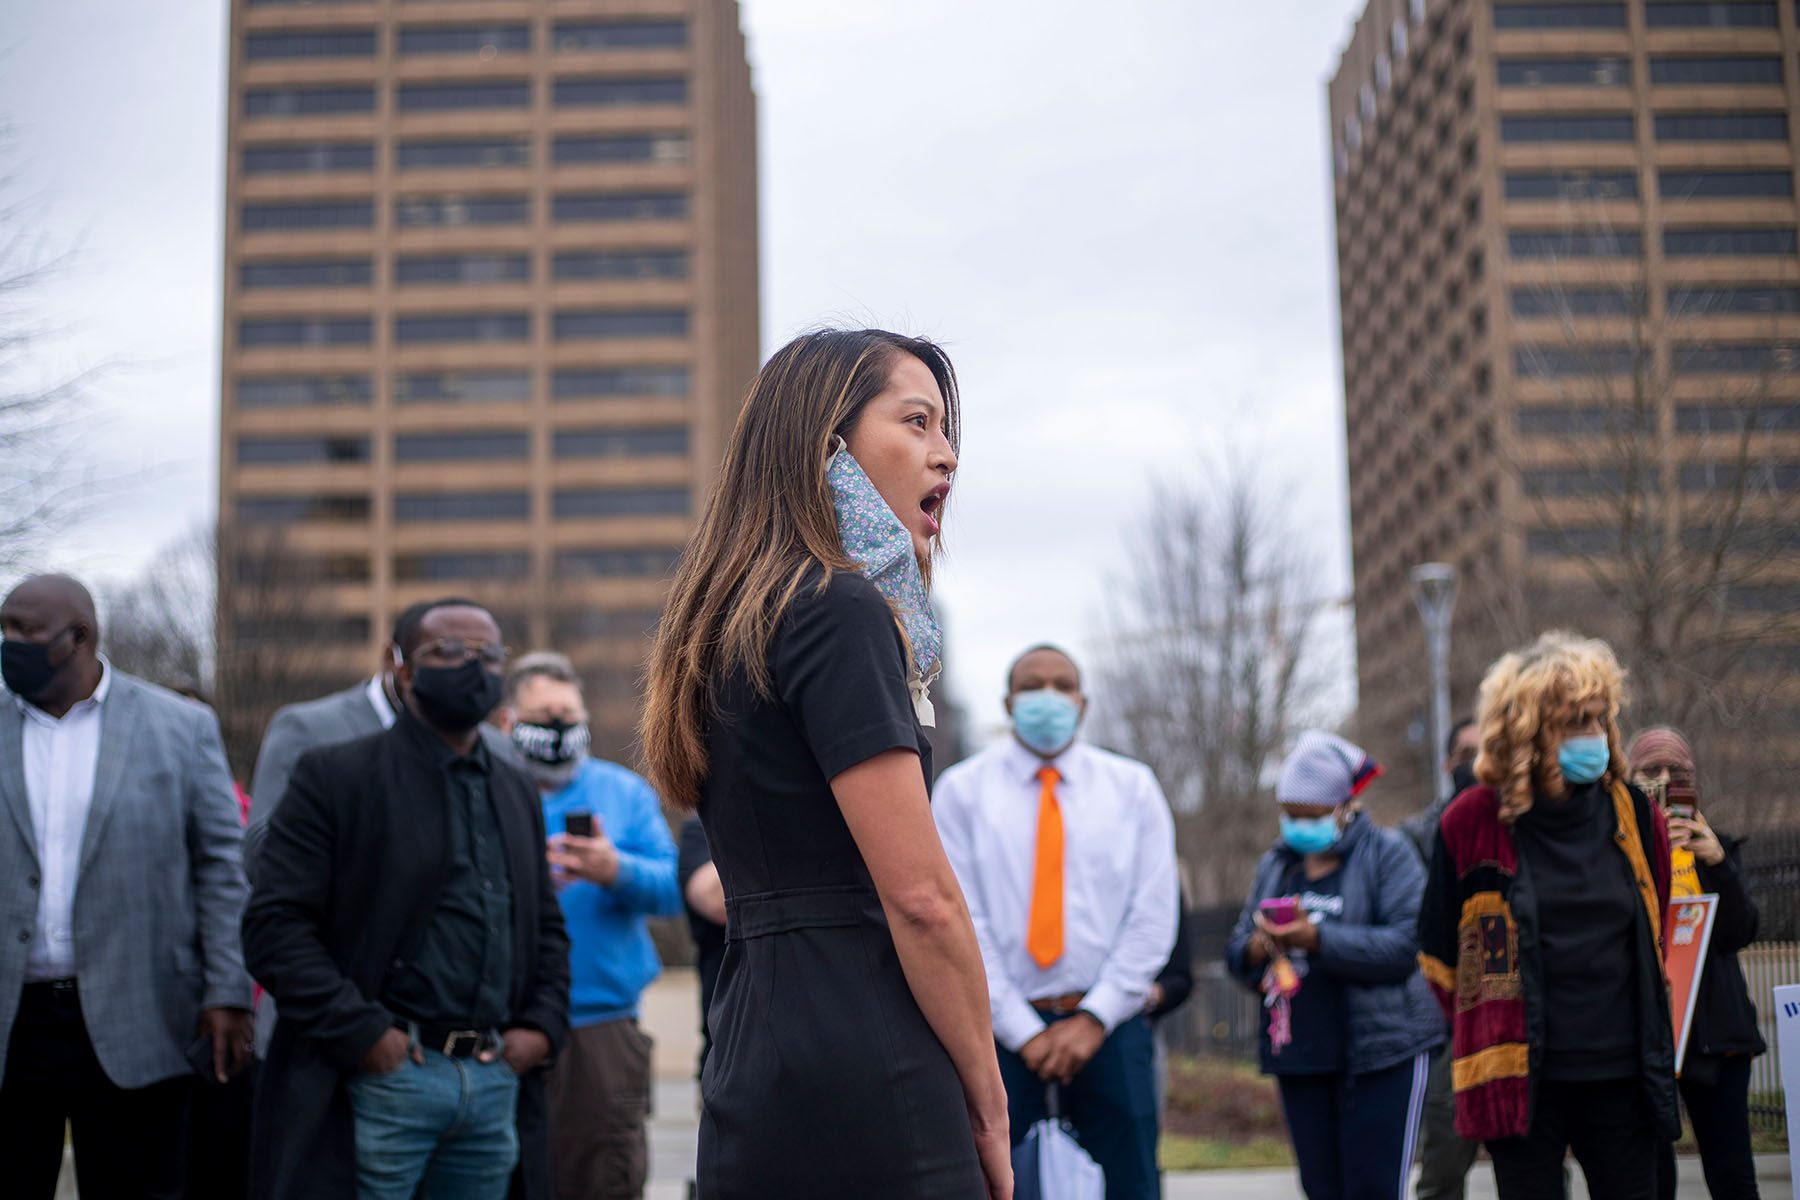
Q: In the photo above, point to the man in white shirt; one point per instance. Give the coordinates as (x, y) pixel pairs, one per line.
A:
(1066, 854)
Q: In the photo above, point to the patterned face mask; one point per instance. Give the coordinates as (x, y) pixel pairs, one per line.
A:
(882, 546)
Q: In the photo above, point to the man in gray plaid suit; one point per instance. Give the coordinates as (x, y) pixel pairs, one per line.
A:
(120, 896)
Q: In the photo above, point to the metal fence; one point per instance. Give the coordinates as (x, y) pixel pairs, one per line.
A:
(1224, 1019)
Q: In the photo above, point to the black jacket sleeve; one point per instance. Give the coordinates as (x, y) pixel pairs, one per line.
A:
(289, 904)
(1736, 923)
(546, 1008)
(1439, 913)
(1177, 977)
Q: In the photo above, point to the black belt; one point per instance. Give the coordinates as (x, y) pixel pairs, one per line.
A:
(52, 987)
(454, 1043)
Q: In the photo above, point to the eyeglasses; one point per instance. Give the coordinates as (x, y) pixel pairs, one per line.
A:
(454, 652)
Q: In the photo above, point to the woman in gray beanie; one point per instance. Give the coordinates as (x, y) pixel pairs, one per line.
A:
(1327, 936)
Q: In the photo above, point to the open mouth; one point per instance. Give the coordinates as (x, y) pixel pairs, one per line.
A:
(933, 506)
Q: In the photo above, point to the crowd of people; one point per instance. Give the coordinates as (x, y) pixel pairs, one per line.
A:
(417, 971)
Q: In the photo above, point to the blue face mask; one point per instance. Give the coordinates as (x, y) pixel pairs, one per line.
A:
(1584, 759)
(1045, 720)
(1309, 835)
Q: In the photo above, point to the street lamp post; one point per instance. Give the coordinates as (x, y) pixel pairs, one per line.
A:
(1434, 592)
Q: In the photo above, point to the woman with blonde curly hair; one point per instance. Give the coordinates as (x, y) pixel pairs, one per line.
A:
(1541, 932)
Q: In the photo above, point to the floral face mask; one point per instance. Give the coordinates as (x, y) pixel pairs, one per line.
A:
(882, 547)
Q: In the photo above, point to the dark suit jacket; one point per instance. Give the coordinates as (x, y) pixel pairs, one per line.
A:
(355, 856)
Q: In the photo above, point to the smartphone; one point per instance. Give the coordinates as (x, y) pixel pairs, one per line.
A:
(1280, 910)
(581, 824)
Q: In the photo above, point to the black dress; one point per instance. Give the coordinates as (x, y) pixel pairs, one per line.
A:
(824, 1078)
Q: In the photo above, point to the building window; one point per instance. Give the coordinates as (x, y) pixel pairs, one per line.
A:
(303, 391)
(1576, 302)
(455, 97)
(302, 450)
(308, 101)
(1353, 132)
(1736, 419)
(1397, 40)
(1718, 185)
(1760, 69)
(463, 387)
(1564, 72)
(313, 214)
(1559, 16)
(1576, 541)
(306, 273)
(462, 268)
(1572, 185)
(1735, 360)
(462, 506)
(1766, 597)
(1574, 243)
(580, 37)
(414, 211)
(621, 443)
(511, 566)
(1384, 71)
(1365, 103)
(1750, 477)
(311, 43)
(1573, 127)
(1614, 420)
(485, 152)
(1416, 9)
(613, 92)
(323, 568)
(1706, 242)
(622, 264)
(316, 158)
(305, 331)
(1583, 481)
(482, 41)
(586, 383)
(648, 562)
(585, 623)
(1721, 127)
(299, 3)
(622, 206)
(1659, 14)
(288, 510)
(463, 327)
(1719, 301)
(623, 502)
(306, 630)
(493, 445)
(620, 148)
(572, 325)
(1557, 362)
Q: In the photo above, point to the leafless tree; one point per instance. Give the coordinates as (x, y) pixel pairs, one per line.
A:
(1209, 666)
(159, 626)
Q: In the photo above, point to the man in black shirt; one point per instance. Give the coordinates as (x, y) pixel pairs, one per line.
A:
(405, 922)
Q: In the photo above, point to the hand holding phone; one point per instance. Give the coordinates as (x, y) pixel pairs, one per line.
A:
(579, 823)
(1279, 910)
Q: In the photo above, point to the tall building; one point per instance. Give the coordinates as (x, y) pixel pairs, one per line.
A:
(1570, 301)
(490, 307)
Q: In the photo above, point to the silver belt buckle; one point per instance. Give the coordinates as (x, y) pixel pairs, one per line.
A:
(460, 1036)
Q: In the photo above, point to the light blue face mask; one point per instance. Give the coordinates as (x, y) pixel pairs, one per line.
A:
(1045, 720)
(1309, 835)
(1584, 759)
(882, 547)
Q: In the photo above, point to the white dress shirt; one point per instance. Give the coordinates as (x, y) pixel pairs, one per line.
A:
(1119, 878)
(60, 757)
(376, 691)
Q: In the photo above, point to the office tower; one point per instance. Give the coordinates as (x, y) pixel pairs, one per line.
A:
(490, 307)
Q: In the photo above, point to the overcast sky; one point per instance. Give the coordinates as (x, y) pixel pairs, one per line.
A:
(1116, 217)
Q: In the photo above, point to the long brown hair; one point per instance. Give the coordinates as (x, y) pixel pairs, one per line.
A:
(768, 521)
(1528, 699)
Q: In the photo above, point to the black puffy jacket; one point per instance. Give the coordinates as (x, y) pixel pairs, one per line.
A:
(1724, 1017)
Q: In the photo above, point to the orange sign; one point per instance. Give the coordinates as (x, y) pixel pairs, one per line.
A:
(1690, 923)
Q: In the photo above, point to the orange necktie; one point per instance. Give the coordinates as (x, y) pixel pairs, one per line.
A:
(1044, 930)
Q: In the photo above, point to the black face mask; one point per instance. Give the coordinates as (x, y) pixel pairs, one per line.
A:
(26, 666)
(553, 742)
(456, 699)
(1462, 778)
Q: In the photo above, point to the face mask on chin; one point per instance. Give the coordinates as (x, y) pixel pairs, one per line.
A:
(455, 700)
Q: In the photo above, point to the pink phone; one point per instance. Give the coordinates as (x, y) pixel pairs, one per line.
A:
(1280, 910)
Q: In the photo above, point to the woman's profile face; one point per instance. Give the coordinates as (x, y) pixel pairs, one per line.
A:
(899, 441)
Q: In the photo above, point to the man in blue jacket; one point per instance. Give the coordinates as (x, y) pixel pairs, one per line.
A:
(609, 881)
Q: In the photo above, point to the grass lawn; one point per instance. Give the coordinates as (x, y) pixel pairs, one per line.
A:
(1178, 1153)
(1221, 1116)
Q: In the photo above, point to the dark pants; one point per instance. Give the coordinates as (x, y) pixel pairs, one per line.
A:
(1719, 1111)
(218, 1161)
(129, 1142)
(1445, 1156)
(1353, 1135)
(1606, 1124)
(1111, 1103)
(599, 1095)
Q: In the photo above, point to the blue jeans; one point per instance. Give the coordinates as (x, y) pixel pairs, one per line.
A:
(1111, 1103)
(443, 1129)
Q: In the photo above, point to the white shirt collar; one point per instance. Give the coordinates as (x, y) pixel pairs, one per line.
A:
(378, 700)
(1025, 764)
(95, 699)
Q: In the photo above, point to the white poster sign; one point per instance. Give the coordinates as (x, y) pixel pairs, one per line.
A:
(1787, 1038)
